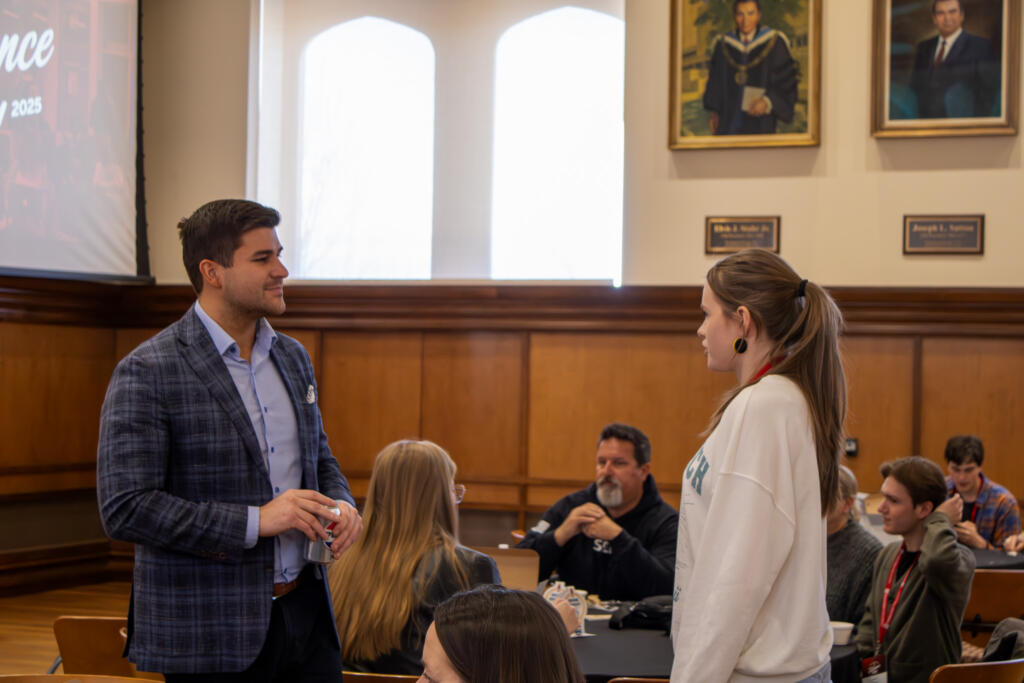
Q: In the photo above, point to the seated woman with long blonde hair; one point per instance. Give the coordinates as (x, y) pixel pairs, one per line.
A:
(407, 561)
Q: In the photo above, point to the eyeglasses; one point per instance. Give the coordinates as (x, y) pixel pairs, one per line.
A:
(459, 492)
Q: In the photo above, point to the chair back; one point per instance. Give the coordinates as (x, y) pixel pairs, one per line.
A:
(518, 566)
(995, 595)
(94, 645)
(357, 677)
(64, 678)
(981, 672)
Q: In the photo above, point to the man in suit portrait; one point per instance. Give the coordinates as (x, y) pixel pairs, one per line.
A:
(213, 461)
(955, 74)
(752, 77)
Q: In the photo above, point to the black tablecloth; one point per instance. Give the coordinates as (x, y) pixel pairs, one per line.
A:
(997, 559)
(645, 653)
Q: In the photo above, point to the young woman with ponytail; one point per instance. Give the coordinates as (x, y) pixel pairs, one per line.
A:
(750, 561)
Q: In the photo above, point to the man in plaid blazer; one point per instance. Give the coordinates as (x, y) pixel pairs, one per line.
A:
(213, 461)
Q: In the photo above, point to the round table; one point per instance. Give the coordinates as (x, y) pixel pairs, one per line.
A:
(646, 653)
(997, 559)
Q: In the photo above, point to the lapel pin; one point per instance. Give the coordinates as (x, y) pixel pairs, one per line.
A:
(310, 395)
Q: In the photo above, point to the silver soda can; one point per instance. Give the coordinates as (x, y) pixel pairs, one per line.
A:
(319, 550)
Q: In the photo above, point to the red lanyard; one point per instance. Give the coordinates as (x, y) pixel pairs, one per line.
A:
(885, 617)
(974, 510)
(763, 371)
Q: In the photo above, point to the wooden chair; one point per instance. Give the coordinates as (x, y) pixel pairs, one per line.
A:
(995, 595)
(356, 677)
(518, 566)
(94, 645)
(64, 678)
(1011, 671)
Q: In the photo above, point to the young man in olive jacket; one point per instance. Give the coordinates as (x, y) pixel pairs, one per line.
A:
(911, 623)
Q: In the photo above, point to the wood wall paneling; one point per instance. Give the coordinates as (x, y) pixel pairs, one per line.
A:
(311, 341)
(516, 381)
(53, 378)
(49, 479)
(580, 382)
(127, 338)
(976, 386)
(480, 495)
(369, 393)
(541, 497)
(359, 486)
(472, 400)
(879, 376)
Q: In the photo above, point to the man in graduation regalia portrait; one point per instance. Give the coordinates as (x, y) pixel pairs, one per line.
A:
(752, 78)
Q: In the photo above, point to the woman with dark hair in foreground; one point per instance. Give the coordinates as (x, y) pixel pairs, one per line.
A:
(498, 635)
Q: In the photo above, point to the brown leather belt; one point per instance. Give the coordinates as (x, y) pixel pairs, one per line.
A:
(283, 589)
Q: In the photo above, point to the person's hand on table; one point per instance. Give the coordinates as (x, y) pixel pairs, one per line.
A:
(1014, 544)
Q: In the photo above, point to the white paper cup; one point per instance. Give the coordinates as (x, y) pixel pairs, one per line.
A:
(841, 631)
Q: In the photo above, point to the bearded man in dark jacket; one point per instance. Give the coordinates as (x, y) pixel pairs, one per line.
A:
(617, 537)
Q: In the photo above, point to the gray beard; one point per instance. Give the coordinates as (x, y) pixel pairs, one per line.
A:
(610, 494)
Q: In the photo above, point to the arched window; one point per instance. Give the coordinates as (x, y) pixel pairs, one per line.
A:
(367, 153)
(558, 147)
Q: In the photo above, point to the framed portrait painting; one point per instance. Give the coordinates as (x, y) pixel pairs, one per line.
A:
(945, 68)
(745, 73)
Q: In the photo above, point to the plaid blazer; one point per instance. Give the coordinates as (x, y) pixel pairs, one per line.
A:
(177, 466)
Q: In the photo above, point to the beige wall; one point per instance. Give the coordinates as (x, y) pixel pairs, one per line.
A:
(841, 203)
(195, 65)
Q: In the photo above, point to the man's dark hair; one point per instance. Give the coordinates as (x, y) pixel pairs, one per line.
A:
(964, 448)
(624, 432)
(215, 230)
(922, 478)
(959, 4)
(737, 3)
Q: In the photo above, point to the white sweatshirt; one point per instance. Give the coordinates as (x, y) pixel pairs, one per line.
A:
(750, 563)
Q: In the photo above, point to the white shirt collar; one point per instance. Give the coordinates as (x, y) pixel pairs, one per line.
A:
(949, 42)
(265, 335)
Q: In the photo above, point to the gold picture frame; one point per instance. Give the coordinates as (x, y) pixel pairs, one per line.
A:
(919, 92)
(707, 51)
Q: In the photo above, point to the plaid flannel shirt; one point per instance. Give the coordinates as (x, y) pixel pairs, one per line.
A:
(997, 517)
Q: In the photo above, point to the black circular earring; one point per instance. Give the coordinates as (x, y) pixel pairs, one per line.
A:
(740, 345)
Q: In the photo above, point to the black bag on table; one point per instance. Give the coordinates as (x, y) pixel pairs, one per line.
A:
(654, 612)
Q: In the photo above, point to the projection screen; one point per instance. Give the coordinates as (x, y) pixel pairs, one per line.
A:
(68, 136)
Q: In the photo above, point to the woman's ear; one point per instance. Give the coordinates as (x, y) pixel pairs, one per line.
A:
(746, 322)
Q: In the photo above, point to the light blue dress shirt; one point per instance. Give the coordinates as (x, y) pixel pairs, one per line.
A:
(272, 414)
